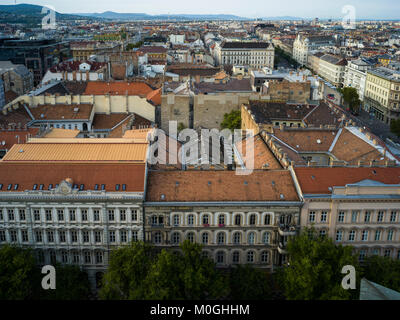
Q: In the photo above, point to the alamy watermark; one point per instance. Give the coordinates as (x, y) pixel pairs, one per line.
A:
(349, 20)
(49, 20)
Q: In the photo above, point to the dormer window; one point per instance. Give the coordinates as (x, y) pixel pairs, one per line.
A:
(103, 187)
(41, 187)
(81, 187)
(34, 186)
(9, 187)
(117, 186)
(96, 187)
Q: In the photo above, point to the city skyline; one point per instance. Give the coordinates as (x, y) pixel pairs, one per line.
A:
(308, 9)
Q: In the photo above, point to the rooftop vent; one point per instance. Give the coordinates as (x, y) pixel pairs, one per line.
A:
(282, 196)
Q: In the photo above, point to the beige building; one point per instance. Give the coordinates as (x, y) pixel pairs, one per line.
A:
(304, 45)
(382, 94)
(354, 206)
(332, 69)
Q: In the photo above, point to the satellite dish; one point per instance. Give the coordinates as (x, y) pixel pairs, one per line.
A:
(3, 142)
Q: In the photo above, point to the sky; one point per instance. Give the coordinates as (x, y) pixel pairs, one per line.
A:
(374, 9)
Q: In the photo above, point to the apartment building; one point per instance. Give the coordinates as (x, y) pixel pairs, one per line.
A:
(238, 219)
(252, 54)
(83, 50)
(16, 77)
(332, 69)
(356, 75)
(87, 204)
(303, 45)
(354, 206)
(382, 94)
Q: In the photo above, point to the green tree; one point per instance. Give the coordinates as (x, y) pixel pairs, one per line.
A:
(18, 273)
(351, 98)
(395, 126)
(186, 275)
(248, 283)
(314, 271)
(232, 120)
(383, 270)
(71, 284)
(128, 267)
(181, 126)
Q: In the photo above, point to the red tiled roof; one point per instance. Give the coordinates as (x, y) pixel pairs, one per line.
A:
(318, 180)
(155, 97)
(74, 66)
(11, 137)
(26, 175)
(118, 88)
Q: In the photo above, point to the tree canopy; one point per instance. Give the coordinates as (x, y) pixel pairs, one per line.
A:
(383, 270)
(232, 120)
(395, 126)
(351, 97)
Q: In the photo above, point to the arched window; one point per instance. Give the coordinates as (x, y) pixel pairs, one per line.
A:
(251, 238)
(176, 238)
(267, 219)
(205, 219)
(221, 219)
(250, 256)
(220, 257)
(204, 238)
(190, 237)
(176, 220)
(236, 257)
(221, 238)
(252, 219)
(236, 238)
(266, 238)
(238, 219)
(204, 254)
(157, 237)
(264, 257)
(190, 219)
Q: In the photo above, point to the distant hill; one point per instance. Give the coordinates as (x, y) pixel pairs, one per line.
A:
(286, 18)
(144, 16)
(29, 14)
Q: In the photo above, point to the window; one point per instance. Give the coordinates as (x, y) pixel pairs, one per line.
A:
(97, 236)
(236, 238)
(190, 219)
(64, 256)
(22, 216)
(75, 257)
(267, 219)
(1, 214)
(36, 214)
(324, 216)
(85, 236)
(352, 235)
(311, 217)
(40, 256)
(176, 220)
(322, 233)
(367, 216)
(62, 236)
(354, 216)
(123, 236)
(390, 235)
(48, 214)
(111, 216)
(387, 252)
(204, 238)
(111, 236)
(134, 214)
(157, 237)
(362, 255)
(339, 235)
(250, 256)
(393, 215)
(251, 238)
(176, 238)
(60, 215)
(264, 257)
(122, 215)
(38, 236)
(235, 257)
(96, 215)
(50, 236)
(24, 235)
(134, 236)
(220, 257)
(252, 219)
(190, 237)
(221, 219)
(2, 236)
(266, 238)
(221, 238)
(99, 257)
(72, 215)
(377, 235)
(380, 217)
(10, 214)
(341, 216)
(205, 219)
(364, 235)
(87, 257)
(53, 258)
(84, 215)
(74, 236)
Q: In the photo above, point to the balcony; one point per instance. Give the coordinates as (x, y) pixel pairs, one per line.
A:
(282, 248)
(287, 230)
